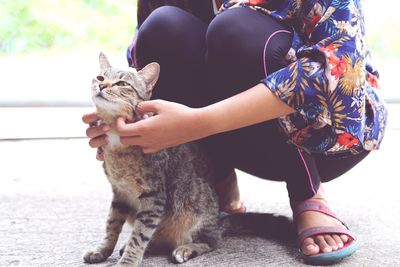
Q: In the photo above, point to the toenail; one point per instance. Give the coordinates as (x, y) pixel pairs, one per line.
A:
(310, 247)
(327, 249)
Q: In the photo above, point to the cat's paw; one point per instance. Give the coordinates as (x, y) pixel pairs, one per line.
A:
(183, 254)
(95, 256)
(133, 264)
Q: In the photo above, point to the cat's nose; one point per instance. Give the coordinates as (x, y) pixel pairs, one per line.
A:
(102, 86)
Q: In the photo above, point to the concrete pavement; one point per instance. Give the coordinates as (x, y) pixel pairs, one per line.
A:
(54, 200)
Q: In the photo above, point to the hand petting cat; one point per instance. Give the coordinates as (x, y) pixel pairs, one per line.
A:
(96, 132)
(173, 124)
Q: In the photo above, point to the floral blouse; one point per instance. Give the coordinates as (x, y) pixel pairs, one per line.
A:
(330, 82)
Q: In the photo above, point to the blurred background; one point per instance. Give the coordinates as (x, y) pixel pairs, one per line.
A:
(48, 56)
(49, 49)
(53, 193)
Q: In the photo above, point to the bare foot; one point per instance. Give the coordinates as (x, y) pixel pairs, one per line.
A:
(320, 243)
(228, 193)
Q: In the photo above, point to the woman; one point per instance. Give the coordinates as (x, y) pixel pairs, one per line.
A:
(279, 89)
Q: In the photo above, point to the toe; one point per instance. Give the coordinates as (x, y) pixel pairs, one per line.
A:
(344, 238)
(309, 247)
(338, 241)
(324, 247)
(331, 242)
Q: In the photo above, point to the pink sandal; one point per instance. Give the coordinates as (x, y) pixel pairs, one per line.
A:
(323, 258)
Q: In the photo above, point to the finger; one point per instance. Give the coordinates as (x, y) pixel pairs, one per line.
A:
(100, 154)
(96, 131)
(100, 157)
(149, 106)
(98, 141)
(147, 150)
(132, 141)
(90, 118)
(128, 129)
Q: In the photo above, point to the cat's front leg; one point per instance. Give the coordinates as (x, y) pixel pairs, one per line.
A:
(144, 227)
(116, 219)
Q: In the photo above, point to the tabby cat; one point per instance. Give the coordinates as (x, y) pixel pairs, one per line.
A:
(165, 196)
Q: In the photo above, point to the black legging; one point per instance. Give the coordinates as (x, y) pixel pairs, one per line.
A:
(204, 63)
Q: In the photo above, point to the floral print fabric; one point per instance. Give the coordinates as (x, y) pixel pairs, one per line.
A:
(330, 83)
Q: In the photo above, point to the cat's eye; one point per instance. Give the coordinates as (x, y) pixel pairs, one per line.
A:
(122, 83)
(100, 78)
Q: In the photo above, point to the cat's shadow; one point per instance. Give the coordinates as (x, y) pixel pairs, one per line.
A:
(270, 226)
(267, 225)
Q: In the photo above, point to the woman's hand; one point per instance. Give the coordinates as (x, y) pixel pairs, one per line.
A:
(172, 124)
(96, 132)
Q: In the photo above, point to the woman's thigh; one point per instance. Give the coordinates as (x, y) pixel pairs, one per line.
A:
(175, 39)
(243, 46)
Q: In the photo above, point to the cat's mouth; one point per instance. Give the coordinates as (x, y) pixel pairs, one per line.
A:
(101, 96)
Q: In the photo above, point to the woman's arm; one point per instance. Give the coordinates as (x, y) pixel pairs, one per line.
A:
(176, 124)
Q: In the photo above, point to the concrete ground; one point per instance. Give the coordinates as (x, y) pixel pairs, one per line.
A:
(54, 197)
(54, 200)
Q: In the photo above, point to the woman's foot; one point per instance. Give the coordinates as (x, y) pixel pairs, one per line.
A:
(320, 243)
(228, 194)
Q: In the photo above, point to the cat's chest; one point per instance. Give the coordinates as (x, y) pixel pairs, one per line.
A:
(114, 141)
(127, 171)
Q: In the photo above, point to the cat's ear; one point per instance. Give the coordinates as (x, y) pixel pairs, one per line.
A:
(150, 75)
(104, 63)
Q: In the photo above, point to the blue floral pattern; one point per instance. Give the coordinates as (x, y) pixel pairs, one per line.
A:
(330, 82)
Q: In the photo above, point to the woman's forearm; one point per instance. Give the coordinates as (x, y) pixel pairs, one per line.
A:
(252, 106)
(176, 124)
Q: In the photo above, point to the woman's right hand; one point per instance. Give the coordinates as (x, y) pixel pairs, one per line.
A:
(96, 132)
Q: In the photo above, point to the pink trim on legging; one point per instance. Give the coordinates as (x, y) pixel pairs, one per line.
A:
(308, 172)
(265, 47)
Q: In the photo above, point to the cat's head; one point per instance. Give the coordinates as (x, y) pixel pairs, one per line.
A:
(117, 92)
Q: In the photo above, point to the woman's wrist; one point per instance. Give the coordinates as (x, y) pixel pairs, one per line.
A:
(205, 122)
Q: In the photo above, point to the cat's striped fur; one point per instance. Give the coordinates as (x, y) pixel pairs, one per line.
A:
(165, 196)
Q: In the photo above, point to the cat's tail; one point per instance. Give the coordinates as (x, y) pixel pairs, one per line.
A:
(260, 224)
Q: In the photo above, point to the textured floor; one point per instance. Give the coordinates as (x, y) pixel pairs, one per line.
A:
(54, 200)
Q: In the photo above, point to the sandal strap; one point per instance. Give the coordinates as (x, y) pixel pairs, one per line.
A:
(313, 205)
(323, 230)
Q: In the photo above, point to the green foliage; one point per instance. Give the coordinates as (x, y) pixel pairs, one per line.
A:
(38, 25)
(31, 25)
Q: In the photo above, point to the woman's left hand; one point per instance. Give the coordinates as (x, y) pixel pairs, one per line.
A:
(172, 124)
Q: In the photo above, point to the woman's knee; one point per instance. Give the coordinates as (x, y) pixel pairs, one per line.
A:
(162, 24)
(169, 32)
(225, 33)
(242, 33)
